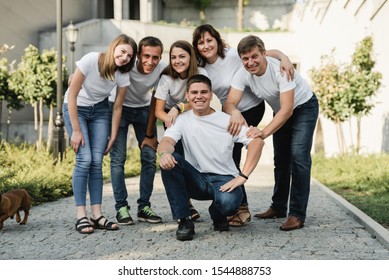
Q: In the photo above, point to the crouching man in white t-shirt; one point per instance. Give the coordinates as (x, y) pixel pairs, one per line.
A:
(208, 171)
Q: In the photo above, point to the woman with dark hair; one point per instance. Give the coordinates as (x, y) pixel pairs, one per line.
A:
(86, 116)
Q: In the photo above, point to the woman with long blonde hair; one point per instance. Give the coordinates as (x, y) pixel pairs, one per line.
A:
(87, 121)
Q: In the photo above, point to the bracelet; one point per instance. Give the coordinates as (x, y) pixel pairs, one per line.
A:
(183, 107)
(149, 136)
(177, 107)
(244, 176)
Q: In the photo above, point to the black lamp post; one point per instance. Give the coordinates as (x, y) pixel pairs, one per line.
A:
(71, 35)
(59, 132)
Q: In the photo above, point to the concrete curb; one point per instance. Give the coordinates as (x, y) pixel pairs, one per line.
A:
(375, 229)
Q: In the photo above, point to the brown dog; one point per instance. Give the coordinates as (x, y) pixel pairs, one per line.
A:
(11, 203)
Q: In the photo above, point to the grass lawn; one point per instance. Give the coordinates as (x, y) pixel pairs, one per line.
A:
(361, 180)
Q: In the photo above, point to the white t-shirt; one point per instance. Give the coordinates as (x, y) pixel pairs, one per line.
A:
(207, 143)
(271, 84)
(173, 90)
(221, 73)
(139, 91)
(95, 89)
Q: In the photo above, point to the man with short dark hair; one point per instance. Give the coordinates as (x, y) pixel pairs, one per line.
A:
(138, 110)
(208, 171)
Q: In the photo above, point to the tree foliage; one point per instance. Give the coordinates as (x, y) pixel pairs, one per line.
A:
(364, 82)
(347, 90)
(35, 80)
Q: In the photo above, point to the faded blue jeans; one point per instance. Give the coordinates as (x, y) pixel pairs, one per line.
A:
(292, 160)
(138, 117)
(184, 182)
(94, 122)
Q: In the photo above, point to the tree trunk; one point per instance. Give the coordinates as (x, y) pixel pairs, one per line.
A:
(40, 123)
(351, 134)
(240, 15)
(319, 138)
(50, 128)
(1, 114)
(340, 137)
(358, 134)
(8, 124)
(36, 123)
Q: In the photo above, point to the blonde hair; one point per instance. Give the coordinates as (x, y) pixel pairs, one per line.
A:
(186, 46)
(106, 63)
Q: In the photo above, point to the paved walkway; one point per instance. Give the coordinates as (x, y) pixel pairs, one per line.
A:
(334, 230)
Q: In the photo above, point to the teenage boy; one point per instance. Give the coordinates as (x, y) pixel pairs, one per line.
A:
(208, 171)
(138, 110)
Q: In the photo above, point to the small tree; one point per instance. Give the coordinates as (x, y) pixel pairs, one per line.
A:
(330, 86)
(364, 83)
(35, 80)
(6, 94)
(347, 90)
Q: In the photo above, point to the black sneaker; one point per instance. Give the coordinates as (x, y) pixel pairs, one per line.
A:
(147, 215)
(123, 217)
(185, 229)
(223, 226)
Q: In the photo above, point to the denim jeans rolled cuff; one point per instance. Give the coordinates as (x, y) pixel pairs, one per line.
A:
(292, 159)
(184, 182)
(87, 173)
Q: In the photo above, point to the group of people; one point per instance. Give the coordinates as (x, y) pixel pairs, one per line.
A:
(200, 152)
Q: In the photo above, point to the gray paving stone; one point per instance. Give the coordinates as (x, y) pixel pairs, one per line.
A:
(331, 232)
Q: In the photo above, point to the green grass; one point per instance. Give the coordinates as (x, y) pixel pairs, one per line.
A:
(22, 166)
(361, 180)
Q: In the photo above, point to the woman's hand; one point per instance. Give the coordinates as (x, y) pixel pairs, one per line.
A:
(233, 184)
(77, 140)
(171, 117)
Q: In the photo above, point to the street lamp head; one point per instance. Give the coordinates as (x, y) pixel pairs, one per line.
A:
(71, 33)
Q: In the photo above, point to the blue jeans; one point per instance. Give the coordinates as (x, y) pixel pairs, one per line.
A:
(292, 160)
(184, 182)
(95, 124)
(138, 117)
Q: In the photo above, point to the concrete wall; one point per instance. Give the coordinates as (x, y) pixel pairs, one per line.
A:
(341, 25)
(21, 20)
(258, 14)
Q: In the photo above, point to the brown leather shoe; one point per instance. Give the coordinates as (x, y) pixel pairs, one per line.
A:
(270, 214)
(292, 223)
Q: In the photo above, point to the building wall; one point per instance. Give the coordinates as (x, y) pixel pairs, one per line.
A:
(258, 14)
(22, 20)
(341, 24)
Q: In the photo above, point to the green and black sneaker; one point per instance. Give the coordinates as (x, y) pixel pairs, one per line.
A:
(146, 214)
(123, 217)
